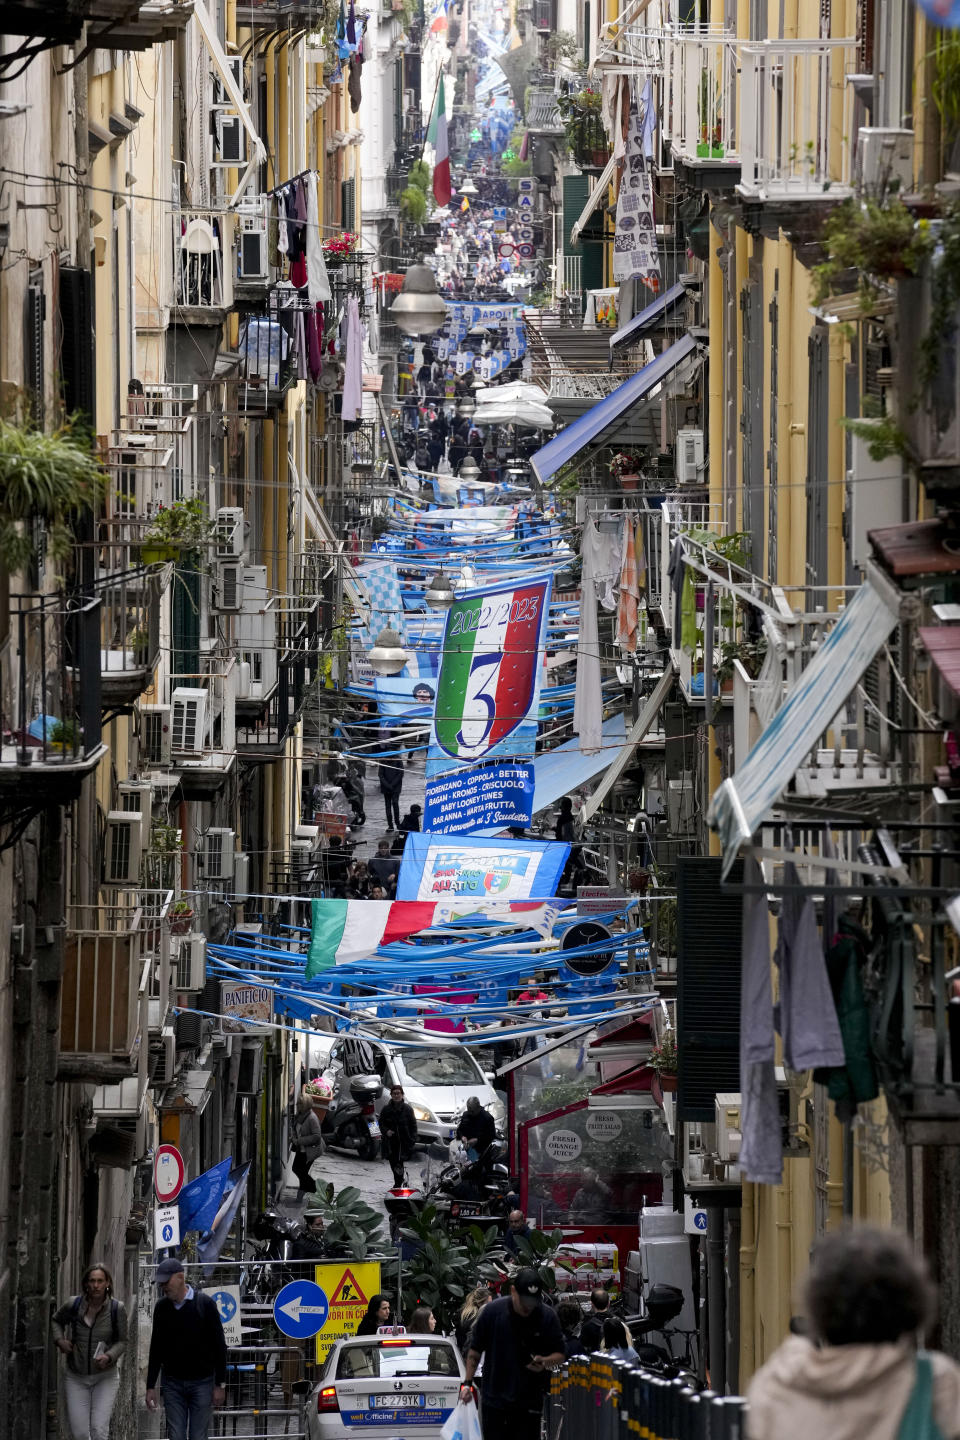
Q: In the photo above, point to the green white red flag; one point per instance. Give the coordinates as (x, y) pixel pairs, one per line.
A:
(441, 165)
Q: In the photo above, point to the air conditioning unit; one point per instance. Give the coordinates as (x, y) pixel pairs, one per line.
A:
(250, 1074)
(191, 962)
(690, 457)
(729, 1135)
(875, 496)
(229, 592)
(310, 834)
(123, 847)
(235, 66)
(231, 141)
(241, 876)
(189, 720)
(886, 160)
(229, 533)
(156, 734)
(218, 854)
(163, 1058)
(252, 243)
(136, 797)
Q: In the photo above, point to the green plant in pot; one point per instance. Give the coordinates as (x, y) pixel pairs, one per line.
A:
(181, 915)
(64, 735)
(413, 204)
(51, 478)
(182, 528)
(664, 1059)
(869, 242)
(625, 468)
(165, 839)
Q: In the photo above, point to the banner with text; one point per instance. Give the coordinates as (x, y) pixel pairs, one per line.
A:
(434, 867)
(462, 801)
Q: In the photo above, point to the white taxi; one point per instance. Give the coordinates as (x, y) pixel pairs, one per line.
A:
(390, 1383)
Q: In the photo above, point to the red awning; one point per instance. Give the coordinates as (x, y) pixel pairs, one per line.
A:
(942, 644)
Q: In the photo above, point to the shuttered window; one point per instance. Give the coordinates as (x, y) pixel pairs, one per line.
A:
(709, 929)
(818, 456)
(773, 315)
(77, 371)
(348, 204)
(33, 345)
(751, 417)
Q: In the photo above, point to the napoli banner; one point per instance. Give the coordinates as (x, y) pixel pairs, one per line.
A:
(199, 1201)
(489, 684)
(434, 867)
(462, 801)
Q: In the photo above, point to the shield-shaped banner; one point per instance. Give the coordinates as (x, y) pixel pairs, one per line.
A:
(488, 689)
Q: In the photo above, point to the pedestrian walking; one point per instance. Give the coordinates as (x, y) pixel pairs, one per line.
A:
(519, 1340)
(189, 1352)
(91, 1331)
(411, 821)
(391, 783)
(858, 1372)
(591, 1330)
(472, 1306)
(307, 1145)
(398, 1126)
(477, 1129)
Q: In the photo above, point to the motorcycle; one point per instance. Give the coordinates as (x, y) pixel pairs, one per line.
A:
(479, 1192)
(351, 1121)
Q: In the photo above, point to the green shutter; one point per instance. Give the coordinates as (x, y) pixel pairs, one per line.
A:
(576, 193)
(348, 204)
(709, 929)
(186, 621)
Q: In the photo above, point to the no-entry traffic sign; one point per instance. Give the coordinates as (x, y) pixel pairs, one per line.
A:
(168, 1173)
(300, 1310)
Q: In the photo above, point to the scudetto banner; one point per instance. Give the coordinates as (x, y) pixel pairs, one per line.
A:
(463, 801)
(489, 684)
(436, 868)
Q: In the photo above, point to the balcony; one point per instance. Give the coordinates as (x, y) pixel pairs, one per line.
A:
(129, 615)
(262, 735)
(140, 465)
(543, 114)
(128, 26)
(203, 723)
(108, 958)
(797, 120)
(270, 342)
(202, 267)
(702, 109)
(50, 723)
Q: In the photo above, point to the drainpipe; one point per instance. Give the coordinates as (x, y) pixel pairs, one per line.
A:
(716, 1300)
(748, 1280)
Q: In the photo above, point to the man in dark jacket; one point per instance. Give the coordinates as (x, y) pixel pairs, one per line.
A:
(591, 1330)
(520, 1341)
(391, 783)
(477, 1129)
(188, 1348)
(398, 1126)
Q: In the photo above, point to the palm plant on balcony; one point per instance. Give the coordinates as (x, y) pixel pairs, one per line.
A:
(413, 205)
(53, 479)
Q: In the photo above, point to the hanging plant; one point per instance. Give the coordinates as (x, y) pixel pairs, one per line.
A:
(184, 526)
(421, 175)
(413, 204)
(875, 240)
(51, 478)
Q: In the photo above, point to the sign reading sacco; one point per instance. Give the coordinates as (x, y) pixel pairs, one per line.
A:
(563, 1145)
(604, 1125)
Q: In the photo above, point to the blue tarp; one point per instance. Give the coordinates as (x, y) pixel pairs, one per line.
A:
(652, 315)
(600, 417)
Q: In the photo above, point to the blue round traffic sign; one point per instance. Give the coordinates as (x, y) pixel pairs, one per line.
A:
(166, 1233)
(300, 1310)
(225, 1303)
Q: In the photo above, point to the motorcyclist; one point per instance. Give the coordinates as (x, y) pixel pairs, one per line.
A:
(398, 1126)
(309, 1244)
(477, 1129)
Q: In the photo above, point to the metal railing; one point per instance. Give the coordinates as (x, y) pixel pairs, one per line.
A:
(202, 260)
(50, 682)
(702, 115)
(797, 114)
(612, 1400)
(129, 610)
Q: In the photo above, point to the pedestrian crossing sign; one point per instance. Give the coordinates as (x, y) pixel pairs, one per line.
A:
(351, 1286)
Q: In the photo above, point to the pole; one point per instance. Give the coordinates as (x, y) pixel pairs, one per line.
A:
(436, 91)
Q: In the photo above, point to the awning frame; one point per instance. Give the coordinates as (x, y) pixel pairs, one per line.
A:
(604, 181)
(636, 328)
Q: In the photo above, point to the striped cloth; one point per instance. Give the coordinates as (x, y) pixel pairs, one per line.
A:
(628, 610)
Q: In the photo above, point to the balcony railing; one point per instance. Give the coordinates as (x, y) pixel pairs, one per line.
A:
(702, 112)
(50, 689)
(797, 119)
(129, 613)
(271, 344)
(202, 264)
(108, 949)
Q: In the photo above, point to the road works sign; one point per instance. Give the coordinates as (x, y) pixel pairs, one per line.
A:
(350, 1286)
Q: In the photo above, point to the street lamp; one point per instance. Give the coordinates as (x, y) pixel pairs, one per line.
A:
(388, 656)
(439, 594)
(468, 187)
(469, 470)
(467, 406)
(419, 309)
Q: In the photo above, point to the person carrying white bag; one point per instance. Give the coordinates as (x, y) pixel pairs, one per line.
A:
(519, 1340)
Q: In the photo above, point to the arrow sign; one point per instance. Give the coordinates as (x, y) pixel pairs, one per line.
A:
(300, 1310)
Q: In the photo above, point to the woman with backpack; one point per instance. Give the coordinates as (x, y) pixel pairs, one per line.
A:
(91, 1331)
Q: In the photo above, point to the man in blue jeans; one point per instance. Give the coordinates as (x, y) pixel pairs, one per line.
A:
(188, 1348)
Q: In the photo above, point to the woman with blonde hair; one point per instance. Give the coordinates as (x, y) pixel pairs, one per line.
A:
(91, 1331)
(471, 1308)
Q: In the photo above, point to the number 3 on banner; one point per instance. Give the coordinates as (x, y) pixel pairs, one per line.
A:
(486, 667)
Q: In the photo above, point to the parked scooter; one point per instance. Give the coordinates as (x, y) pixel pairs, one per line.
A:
(480, 1192)
(351, 1121)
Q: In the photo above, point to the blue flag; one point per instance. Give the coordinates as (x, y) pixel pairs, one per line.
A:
(200, 1200)
(211, 1245)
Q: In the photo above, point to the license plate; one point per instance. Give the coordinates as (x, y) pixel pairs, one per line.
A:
(468, 1210)
(374, 1127)
(397, 1402)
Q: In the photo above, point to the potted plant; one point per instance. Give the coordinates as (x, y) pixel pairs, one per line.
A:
(868, 241)
(138, 638)
(319, 1093)
(663, 1059)
(181, 528)
(181, 916)
(64, 735)
(625, 469)
(337, 249)
(52, 478)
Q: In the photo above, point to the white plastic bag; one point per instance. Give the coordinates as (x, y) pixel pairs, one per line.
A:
(463, 1424)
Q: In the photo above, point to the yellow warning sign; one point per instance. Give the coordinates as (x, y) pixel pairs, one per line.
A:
(350, 1287)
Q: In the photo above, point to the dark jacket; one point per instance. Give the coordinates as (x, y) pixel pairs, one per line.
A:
(481, 1127)
(401, 1119)
(391, 776)
(187, 1344)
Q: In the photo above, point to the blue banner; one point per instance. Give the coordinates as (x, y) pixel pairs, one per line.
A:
(435, 868)
(210, 1246)
(200, 1200)
(463, 801)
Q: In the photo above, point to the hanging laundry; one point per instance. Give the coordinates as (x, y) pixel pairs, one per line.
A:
(761, 1144)
(856, 1081)
(641, 555)
(314, 331)
(599, 571)
(283, 233)
(807, 1016)
(628, 612)
(353, 83)
(353, 371)
(318, 281)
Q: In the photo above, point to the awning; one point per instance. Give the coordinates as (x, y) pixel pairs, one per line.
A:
(942, 644)
(597, 194)
(742, 803)
(563, 770)
(648, 318)
(607, 412)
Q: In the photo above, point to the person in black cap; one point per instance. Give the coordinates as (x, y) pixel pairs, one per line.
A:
(520, 1340)
(188, 1348)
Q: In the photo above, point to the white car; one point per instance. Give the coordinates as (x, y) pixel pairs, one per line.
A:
(438, 1079)
(385, 1384)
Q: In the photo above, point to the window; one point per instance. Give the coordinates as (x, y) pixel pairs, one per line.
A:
(373, 1362)
(818, 454)
(438, 1067)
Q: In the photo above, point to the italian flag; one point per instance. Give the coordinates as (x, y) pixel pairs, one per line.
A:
(441, 165)
(345, 931)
